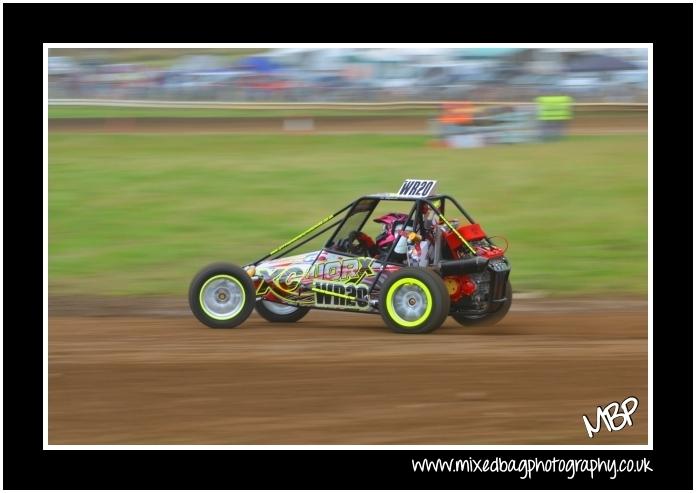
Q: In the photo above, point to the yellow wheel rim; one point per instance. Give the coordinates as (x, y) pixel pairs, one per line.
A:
(222, 297)
(409, 302)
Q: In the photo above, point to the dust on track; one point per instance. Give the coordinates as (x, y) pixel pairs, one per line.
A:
(337, 378)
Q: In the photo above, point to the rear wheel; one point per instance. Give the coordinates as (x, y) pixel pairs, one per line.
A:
(414, 301)
(221, 296)
(489, 318)
(280, 313)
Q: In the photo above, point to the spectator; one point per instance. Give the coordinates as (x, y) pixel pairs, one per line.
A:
(553, 114)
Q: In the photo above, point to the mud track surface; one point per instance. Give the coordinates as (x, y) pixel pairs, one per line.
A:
(345, 379)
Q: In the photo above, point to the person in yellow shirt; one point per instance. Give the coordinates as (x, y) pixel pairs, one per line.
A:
(553, 115)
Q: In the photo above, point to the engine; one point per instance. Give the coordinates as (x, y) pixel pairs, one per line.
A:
(476, 290)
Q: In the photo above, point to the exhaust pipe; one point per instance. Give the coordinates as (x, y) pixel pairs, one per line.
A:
(463, 266)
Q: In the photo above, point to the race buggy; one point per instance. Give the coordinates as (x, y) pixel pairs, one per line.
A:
(419, 268)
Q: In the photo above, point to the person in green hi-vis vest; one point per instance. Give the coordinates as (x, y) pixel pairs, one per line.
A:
(553, 114)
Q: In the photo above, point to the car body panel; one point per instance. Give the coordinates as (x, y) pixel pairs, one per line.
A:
(321, 279)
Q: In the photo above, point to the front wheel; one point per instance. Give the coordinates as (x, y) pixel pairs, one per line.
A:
(414, 301)
(489, 318)
(221, 296)
(280, 313)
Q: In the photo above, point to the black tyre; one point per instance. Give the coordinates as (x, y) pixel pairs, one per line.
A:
(489, 318)
(280, 313)
(222, 296)
(414, 301)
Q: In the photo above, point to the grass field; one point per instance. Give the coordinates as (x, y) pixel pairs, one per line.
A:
(60, 111)
(77, 111)
(140, 214)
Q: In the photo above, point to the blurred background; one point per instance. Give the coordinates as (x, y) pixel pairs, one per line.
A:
(162, 160)
(345, 74)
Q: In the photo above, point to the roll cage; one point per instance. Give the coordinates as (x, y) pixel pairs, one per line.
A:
(368, 203)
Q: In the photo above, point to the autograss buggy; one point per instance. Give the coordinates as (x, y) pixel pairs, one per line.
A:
(419, 269)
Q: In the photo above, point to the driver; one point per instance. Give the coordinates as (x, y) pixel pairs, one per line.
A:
(360, 243)
(392, 224)
(395, 228)
(399, 232)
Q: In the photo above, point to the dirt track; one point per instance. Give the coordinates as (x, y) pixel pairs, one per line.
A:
(345, 379)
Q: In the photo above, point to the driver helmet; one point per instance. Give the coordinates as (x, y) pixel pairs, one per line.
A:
(392, 223)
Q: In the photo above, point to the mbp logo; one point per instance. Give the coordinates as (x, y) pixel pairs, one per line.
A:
(610, 414)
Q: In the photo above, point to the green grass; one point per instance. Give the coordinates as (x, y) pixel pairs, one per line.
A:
(61, 111)
(77, 111)
(140, 214)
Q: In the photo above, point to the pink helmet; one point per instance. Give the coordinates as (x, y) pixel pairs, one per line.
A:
(390, 221)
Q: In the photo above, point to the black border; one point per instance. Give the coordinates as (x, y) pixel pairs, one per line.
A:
(27, 26)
